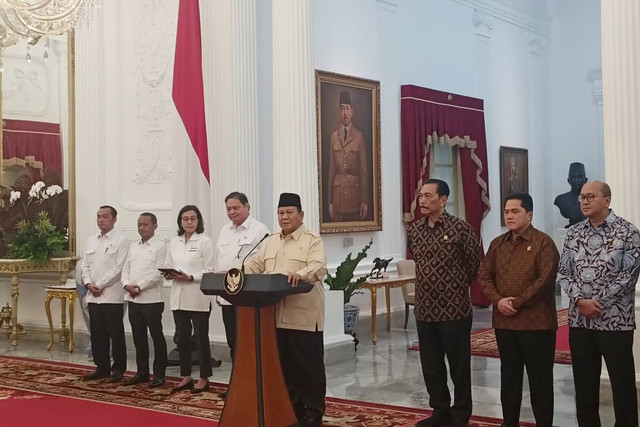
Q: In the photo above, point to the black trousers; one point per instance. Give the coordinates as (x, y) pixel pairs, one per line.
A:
(588, 347)
(107, 329)
(145, 317)
(200, 321)
(229, 319)
(451, 339)
(302, 361)
(534, 350)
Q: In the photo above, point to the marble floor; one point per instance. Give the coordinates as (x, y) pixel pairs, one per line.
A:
(386, 373)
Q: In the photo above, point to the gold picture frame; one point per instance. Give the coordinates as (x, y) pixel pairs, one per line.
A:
(514, 173)
(348, 169)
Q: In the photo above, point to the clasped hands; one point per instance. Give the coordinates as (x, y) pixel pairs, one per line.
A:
(134, 290)
(505, 306)
(589, 308)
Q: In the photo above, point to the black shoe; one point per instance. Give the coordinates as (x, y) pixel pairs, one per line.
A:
(224, 394)
(96, 375)
(116, 378)
(137, 379)
(436, 420)
(200, 389)
(157, 382)
(310, 422)
(215, 363)
(187, 386)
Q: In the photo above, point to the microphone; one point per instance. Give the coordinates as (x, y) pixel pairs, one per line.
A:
(251, 251)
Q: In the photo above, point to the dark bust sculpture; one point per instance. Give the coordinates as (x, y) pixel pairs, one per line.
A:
(568, 202)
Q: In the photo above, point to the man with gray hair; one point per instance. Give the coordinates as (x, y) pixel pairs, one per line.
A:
(599, 269)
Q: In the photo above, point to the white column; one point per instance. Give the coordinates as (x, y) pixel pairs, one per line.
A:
(230, 76)
(393, 245)
(538, 130)
(90, 147)
(621, 113)
(295, 161)
(595, 78)
(483, 24)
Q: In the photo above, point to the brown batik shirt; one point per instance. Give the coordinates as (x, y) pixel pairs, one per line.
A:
(523, 267)
(447, 258)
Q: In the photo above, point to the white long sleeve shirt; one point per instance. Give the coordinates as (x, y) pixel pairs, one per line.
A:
(194, 257)
(102, 265)
(234, 243)
(141, 269)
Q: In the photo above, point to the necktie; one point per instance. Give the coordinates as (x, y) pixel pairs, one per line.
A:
(345, 134)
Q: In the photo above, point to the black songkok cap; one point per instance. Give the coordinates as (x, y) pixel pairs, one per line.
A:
(345, 97)
(290, 199)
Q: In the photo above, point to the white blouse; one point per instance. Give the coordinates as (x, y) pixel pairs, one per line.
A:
(195, 257)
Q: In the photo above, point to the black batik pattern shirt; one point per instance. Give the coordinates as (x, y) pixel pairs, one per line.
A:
(447, 259)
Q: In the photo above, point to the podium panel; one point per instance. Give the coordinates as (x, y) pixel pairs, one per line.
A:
(257, 392)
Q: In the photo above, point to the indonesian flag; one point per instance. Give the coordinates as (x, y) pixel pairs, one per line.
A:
(191, 171)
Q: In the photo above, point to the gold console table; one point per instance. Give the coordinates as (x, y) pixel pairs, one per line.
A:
(387, 283)
(63, 294)
(17, 267)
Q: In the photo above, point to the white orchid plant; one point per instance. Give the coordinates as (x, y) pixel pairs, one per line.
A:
(38, 236)
(39, 192)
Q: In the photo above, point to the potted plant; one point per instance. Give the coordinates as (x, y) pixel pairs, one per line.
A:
(343, 281)
(39, 234)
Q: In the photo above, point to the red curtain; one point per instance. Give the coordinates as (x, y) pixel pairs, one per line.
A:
(428, 116)
(34, 144)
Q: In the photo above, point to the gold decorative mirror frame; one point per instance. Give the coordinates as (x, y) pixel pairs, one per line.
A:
(69, 140)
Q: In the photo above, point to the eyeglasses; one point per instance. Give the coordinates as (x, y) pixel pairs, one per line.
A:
(587, 197)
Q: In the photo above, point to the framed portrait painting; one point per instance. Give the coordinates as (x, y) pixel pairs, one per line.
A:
(348, 114)
(514, 173)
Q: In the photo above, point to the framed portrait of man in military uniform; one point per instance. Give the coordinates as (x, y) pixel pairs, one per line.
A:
(514, 173)
(348, 114)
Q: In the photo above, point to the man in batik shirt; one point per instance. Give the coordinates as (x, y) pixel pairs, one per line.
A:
(598, 270)
(447, 256)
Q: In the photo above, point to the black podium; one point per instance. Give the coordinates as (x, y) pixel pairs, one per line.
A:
(257, 392)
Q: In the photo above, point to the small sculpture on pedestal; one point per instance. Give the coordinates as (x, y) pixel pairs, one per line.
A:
(379, 266)
(568, 202)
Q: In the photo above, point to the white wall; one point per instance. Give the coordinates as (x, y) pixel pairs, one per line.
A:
(527, 59)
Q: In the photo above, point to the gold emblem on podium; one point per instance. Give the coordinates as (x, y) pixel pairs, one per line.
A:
(233, 281)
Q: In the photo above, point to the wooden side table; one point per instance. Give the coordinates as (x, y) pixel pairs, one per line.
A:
(387, 283)
(63, 294)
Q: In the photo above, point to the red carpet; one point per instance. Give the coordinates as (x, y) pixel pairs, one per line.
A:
(38, 392)
(483, 343)
(27, 408)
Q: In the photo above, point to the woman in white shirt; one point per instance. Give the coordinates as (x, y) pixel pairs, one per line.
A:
(191, 253)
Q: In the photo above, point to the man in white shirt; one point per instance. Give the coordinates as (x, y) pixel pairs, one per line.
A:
(236, 240)
(142, 283)
(102, 264)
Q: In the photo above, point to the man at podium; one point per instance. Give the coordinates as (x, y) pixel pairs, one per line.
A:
(299, 254)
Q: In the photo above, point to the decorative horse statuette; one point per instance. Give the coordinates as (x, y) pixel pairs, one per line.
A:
(379, 267)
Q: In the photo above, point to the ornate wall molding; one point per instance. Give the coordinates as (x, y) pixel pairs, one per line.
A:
(483, 22)
(505, 10)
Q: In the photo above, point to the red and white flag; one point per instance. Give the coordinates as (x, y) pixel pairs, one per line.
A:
(188, 97)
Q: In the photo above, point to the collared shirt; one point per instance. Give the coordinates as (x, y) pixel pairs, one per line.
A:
(299, 252)
(447, 258)
(234, 243)
(141, 269)
(602, 264)
(523, 267)
(194, 257)
(102, 265)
